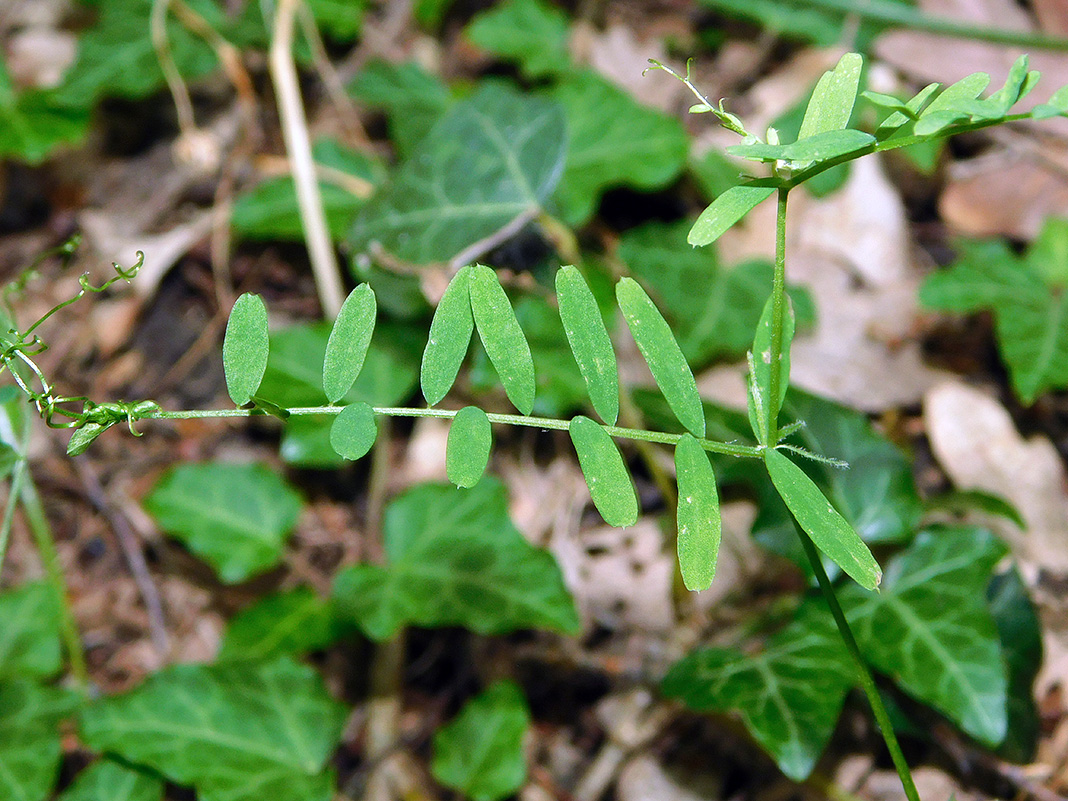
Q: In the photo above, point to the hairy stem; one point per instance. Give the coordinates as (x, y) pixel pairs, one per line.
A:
(298, 147)
(867, 682)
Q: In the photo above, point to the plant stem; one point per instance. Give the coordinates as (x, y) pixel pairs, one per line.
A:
(728, 448)
(867, 682)
(298, 147)
(778, 318)
(42, 535)
(18, 476)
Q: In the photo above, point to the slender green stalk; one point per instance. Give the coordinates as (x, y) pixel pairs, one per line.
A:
(42, 536)
(18, 476)
(729, 448)
(867, 682)
(778, 318)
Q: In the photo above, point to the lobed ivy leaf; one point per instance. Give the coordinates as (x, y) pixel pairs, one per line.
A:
(450, 337)
(468, 449)
(30, 747)
(789, 695)
(589, 341)
(763, 408)
(455, 559)
(413, 99)
(354, 431)
(606, 475)
(234, 732)
(245, 348)
(34, 123)
(1028, 300)
(930, 628)
(613, 141)
(697, 516)
(106, 780)
(30, 636)
(502, 337)
(831, 533)
(489, 161)
(663, 355)
(236, 516)
(530, 32)
(480, 752)
(349, 339)
(290, 623)
(831, 104)
(726, 210)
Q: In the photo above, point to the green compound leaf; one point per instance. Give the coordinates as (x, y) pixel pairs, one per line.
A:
(289, 623)
(413, 99)
(589, 340)
(718, 321)
(930, 627)
(455, 559)
(827, 528)
(832, 100)
(245, 348)
(236, 516)
(613, 141)
(450, 337)
(270, 210)
(480, 753)
(29, 638)
(490, 160)
(949, 106)
(697, 516)
(606, 475)
(789, 695)
(234, 732)
(35, 123)
(764, 409)
(502, 337)
(725, 211)
(530, 32)
(349, 339)
(354, 431)
(663, 355)
(30, 751)
(105, 780)
(468, 450)
(1028, 300)
(811, 150)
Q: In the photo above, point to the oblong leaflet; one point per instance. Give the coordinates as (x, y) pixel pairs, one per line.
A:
(606, 474)
(590, 343)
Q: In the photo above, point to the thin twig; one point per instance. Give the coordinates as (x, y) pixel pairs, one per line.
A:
(179, 91)
(298, 146)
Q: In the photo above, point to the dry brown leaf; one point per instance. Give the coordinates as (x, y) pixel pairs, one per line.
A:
(621, 57)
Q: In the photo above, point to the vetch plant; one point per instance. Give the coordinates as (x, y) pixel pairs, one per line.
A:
(379, 599)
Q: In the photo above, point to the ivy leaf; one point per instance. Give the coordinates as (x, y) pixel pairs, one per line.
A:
(726, 210)
(831, 104)
(455, 559)
(30, 749)
(697, 516)
(930, 627)
(341, 20)
(606, 475)
(354, 431)
(236, 516)
(1020, 636)
(1028, 299)
(789, 695)
(289, 623)
(718, 321)
(34, 123)
(490, 160)
(413, 99)
(589, 340)
(349, 339)
(235, 732)
(449, 340)
(106, 780)
(245, 348)
(270, 211)
(663, 355)
(530, 32)
(827, 528)
(480, 753)
(468, 449)
(502, 337)
(614, 141)
(29, 638)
